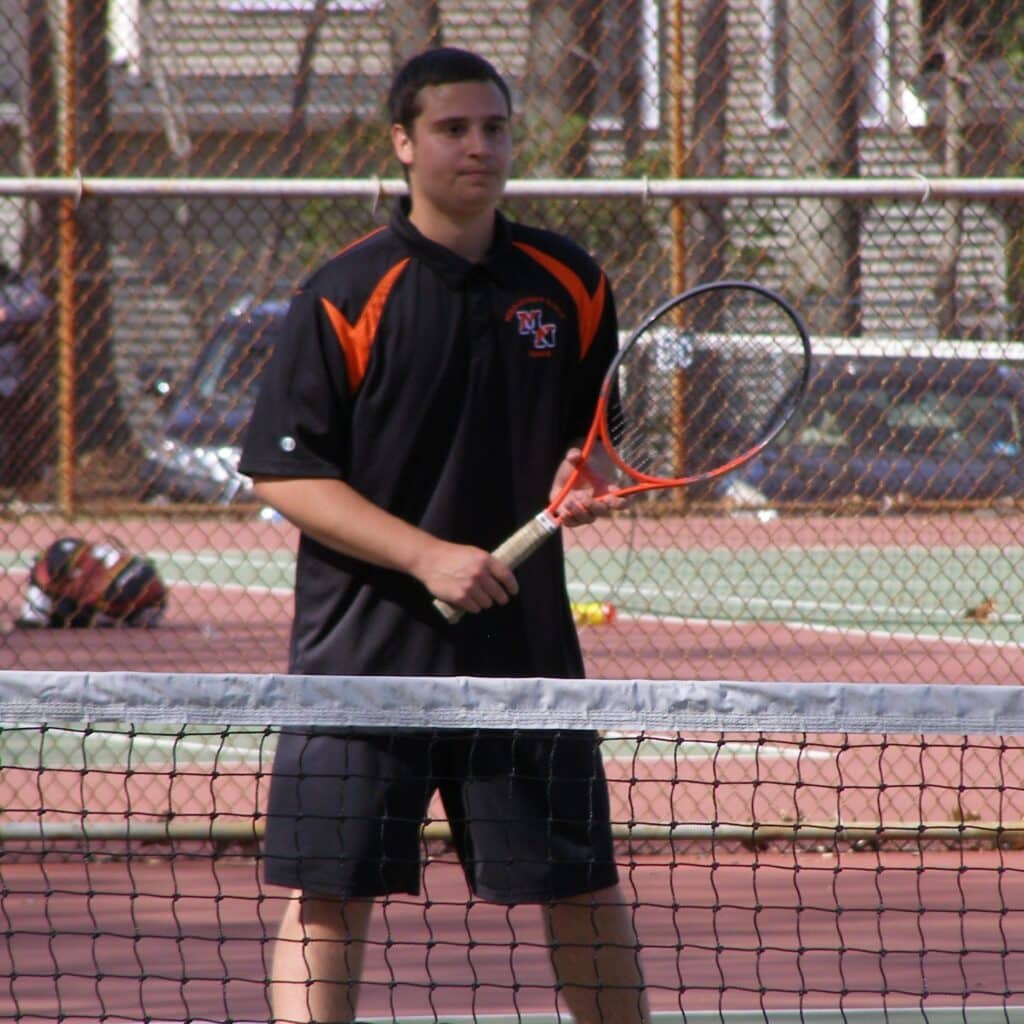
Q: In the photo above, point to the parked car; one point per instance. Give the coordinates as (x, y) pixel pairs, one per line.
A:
(23, 375)
(193, 454)
(897, 429)
(22, 306)
(874, 428)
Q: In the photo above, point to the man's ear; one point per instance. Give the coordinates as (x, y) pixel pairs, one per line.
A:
(402, 144)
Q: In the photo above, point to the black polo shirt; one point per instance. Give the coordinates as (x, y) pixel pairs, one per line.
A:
(446, 392)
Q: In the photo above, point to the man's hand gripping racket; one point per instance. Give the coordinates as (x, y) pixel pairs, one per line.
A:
(703, 385)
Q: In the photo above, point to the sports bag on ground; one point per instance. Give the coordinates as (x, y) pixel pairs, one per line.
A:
(75, 583)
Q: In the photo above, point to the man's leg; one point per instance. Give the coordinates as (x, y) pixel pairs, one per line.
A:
(318, 960)
(595, 954)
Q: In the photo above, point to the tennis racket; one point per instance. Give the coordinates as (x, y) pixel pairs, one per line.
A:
(703, 385)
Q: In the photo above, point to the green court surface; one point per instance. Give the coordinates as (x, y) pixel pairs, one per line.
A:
(98, 746)
(895, 590)
(913, 590)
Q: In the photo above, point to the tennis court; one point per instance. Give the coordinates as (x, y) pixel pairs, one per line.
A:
(781, 869)
(773, 868)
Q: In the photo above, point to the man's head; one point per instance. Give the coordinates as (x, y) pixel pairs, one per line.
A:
(443, 66)
(450, 130)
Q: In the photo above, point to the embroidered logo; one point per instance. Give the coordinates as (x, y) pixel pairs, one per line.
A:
(531, 324)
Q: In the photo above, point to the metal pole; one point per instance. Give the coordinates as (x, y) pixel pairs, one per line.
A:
(677, 229)
(991, 833)
(916, 188)
(677, 146)
(66, 277)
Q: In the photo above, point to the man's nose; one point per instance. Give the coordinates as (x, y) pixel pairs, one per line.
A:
(479, 140)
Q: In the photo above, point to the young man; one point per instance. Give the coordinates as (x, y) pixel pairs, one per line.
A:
(423, 401)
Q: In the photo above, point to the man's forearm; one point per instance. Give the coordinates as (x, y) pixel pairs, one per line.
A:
(339, 517)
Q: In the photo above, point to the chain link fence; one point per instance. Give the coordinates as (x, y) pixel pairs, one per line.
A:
(168, 171)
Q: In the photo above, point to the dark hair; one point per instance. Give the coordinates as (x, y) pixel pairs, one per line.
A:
(441, 66)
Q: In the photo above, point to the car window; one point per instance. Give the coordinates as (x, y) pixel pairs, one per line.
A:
(942, 423)
(839, 420)
(236, 360)
(902, 421)
(825, 427)
(924, 423)
(992, 424)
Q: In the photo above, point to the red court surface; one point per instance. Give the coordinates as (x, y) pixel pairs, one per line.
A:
(188, 939)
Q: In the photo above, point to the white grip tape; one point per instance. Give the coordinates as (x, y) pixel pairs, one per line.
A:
(512, 552)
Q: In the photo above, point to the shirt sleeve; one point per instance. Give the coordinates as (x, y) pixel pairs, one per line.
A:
(299, 425)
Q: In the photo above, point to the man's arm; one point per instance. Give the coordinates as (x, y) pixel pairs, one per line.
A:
(337, 516)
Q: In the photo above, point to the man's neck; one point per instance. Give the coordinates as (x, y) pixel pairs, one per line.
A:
(469, 239)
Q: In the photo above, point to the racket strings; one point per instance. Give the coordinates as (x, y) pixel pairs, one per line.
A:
(703, 385)
(632, 438)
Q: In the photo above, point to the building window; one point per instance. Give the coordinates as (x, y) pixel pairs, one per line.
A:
(643, 43)
(873, 17)
(876, 68)
(777, 53)
(297, 6)
(123, 34)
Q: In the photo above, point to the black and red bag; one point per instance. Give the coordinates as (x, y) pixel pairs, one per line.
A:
(75, 583)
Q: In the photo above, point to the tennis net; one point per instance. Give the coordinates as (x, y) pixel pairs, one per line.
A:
(787, 851)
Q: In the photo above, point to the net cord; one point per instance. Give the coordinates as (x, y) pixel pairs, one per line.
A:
(515, 703)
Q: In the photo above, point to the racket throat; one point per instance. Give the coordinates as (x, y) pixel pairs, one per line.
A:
(546, 522)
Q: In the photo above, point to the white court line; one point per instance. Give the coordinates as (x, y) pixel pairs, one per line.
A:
(847, 631)
(606, 590)
(663, 747)
(149, 750)
(651, 590)
(599, 590)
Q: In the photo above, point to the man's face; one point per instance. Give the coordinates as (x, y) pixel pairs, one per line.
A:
(459, 150)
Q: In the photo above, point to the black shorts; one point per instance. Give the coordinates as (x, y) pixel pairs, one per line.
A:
(528, 812)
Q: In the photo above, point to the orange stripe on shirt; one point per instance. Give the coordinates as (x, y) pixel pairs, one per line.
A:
(356, 340)
(359, 240)
(588, 307)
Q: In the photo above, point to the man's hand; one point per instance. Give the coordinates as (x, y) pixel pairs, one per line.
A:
(334, 514)
(464, 576)
(588, 498)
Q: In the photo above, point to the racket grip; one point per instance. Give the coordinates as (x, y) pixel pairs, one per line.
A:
(512, 551)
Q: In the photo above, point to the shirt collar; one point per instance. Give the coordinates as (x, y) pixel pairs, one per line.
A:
(452, 267)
